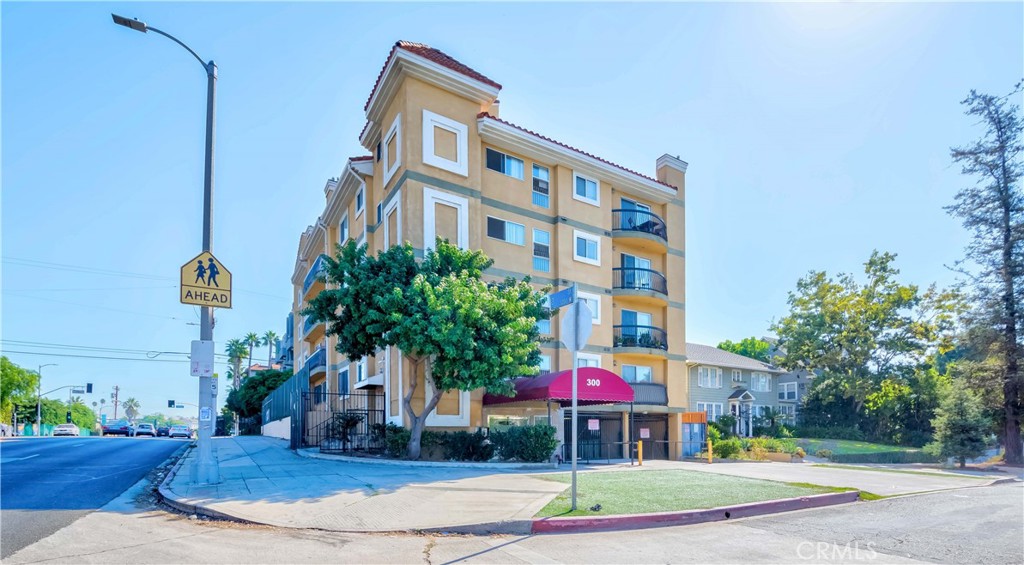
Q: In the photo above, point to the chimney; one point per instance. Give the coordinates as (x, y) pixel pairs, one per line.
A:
(672, 170)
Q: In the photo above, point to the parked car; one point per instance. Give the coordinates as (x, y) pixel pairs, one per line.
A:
(66, 430)
(180, 431)
(119, 428)
(162, 431)
(145, 430)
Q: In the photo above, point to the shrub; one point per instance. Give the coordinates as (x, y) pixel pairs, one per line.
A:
(395, 438)
(886, 457)
(466, 446)
(823, 453)
(725, 423)
(758, 453)
(799, 453)
(727, 448)
(525, 443)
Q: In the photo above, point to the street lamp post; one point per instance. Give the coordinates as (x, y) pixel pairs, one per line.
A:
(39, 399)
(205, 469)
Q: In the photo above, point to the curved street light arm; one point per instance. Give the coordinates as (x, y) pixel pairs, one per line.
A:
(207, 67)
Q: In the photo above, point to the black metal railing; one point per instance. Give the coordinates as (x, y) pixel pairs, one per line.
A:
(650, 394)
(640, 336)
(628, 219)
(636, 278)
(344, 422)
(318, 360)
(308, 324)
(314, 272)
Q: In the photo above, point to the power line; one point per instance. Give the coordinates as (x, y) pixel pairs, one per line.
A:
(97, 307)
(43, 345)
(146, 360)
(106, 289)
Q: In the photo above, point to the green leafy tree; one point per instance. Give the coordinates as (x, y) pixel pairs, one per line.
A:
(960, 426)
(82, 416)
(131, 408)
(269, 339)
(17, 385)
(858, 334)
(992, 209)
(748, 347)
(458, 332)
(251, 339)
(247, 400)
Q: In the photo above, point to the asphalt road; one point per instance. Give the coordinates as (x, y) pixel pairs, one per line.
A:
(971, 525)
(48, 483)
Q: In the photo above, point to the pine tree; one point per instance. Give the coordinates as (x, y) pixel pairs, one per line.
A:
(960, 427)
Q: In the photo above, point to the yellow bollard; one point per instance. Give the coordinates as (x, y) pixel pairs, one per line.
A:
(709, 451)
(640, 452)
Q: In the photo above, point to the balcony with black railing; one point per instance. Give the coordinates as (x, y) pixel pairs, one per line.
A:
(632, 223)
(313, 279)
(312, 331)
(650, 393)
(635, 278)
(640, 338)
(317, 362)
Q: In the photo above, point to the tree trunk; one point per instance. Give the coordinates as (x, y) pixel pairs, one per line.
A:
(236, 380)
(1011, 383)
(418, 423)
(963, 462)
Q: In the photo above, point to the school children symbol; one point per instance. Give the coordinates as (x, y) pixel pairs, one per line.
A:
(205, 282)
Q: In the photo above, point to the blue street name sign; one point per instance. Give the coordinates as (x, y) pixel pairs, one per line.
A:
(561, 298)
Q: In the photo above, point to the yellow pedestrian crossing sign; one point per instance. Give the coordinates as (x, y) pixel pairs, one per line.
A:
(205, 282)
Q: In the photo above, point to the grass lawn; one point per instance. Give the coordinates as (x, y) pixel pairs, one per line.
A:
(847, 447)
(636, 492)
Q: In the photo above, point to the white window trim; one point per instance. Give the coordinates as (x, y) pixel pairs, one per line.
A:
(360, 206)
(523, 244)
(737, 376)
(589, 237)
(758, 375)
(596, 202)
(596, 298)
(342, 238)
(784, 389)
(709, 384)
(533, 248)
(589, 356)
(716, 409)
(460, 165)
(435, 419)
(432, 196)
(394, 206)
(394, 131)
(506, 155)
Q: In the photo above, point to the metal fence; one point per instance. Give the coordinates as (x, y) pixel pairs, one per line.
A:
(343, 422)
(286, 402)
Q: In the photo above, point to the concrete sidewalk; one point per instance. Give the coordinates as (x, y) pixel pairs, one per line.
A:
(263, 481)
(885, 482)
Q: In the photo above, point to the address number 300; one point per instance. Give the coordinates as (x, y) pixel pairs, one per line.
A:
(593, 382)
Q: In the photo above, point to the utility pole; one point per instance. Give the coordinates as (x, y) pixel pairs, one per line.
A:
(117, 389)
(39, 399)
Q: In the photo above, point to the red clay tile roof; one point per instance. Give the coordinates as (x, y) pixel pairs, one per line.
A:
(435, 55)
(571, 148)
(361, 158)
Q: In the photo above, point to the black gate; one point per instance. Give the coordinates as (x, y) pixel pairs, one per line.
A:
(343, 423)
(655, 445)
(603, 443)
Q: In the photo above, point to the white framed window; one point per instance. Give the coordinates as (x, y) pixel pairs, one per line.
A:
(709, 377)
(361, 371)
(637, 374)
(343, 230)
(380, 212)
(789, 411)
(343, 384)
(737, 376)
(541, 186)
(445, 143)
(586, 247)
(393, 236)
(544, 327)
(431, 199)
(545, 364)
(360, 200)
(594, 303)
(760, 382)
(393, 149)
(787, 391)
(541, 250)
(712, 409)
(588, 360)
(509, 232)
(586, 189)
(505, 164)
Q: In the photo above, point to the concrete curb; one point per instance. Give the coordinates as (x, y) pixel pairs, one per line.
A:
(688, 517)
(309, 453)
(168, 497)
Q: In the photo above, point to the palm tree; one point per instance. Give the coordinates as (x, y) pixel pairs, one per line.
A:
(77, 400)
(236, 349)
(131, 408)
(252, 339)
(270, 340)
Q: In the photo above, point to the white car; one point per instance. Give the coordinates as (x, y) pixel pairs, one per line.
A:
(179, 431)
(66, 430)
(145, 430)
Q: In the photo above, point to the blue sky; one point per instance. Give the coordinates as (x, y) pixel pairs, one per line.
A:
(815, 133)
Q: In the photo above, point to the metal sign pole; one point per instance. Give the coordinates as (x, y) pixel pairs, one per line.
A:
(575, 418)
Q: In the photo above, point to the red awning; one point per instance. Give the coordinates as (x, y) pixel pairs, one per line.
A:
(594, 386)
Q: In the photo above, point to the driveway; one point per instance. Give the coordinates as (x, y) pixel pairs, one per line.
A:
(263, 481)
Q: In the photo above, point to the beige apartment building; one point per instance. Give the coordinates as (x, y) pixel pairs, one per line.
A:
(444, 161)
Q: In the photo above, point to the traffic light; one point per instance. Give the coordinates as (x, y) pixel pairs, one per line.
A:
(88, 388)
(69, 416)
(170, 404)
